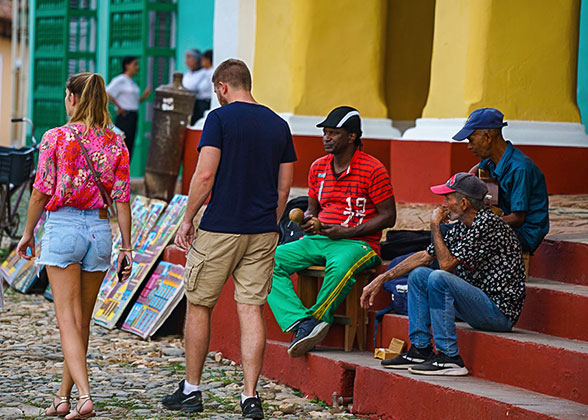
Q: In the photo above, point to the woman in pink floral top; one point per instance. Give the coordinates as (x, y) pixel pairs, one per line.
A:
(77, 240)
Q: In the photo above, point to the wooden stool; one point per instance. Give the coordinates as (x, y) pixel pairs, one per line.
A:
(355, 318)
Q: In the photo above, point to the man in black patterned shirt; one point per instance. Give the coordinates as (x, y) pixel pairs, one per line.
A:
(481, 280)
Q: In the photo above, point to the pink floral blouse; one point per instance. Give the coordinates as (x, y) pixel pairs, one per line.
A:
(63, 171)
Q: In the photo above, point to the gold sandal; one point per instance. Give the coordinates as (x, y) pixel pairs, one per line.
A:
(53, 410)
(76, 410)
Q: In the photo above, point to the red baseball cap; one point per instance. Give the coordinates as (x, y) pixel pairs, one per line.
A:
(464, 183)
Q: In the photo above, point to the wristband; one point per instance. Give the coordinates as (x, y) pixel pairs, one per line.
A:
(127, 249)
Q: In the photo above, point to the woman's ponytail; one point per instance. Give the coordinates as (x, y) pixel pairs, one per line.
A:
(92, 108)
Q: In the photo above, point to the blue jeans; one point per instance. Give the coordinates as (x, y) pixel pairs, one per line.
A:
(436, 297)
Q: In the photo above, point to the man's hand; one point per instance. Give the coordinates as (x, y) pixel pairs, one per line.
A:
(439, 216)
(371, 290)
(185, 235)
(120, 111)
(306, 225)
(335, 231)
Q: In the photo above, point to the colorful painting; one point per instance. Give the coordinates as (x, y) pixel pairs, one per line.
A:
(19, 273)
(157, 300)
(151, 236)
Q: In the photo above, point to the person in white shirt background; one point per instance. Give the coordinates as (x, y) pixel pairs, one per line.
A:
(198, 79)
(123, 92)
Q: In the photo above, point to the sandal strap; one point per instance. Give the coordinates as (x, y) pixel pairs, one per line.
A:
(86, 398)
(63, 399)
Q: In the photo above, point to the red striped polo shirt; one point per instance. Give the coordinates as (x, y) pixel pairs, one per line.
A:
(350, 199)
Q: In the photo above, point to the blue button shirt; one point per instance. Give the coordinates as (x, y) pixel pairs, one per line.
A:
(522, 188)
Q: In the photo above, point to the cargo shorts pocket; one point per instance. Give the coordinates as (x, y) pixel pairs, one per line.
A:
(195, 264)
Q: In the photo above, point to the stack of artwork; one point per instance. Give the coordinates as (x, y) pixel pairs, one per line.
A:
(23, 275)
(154, 224)
(157, 300)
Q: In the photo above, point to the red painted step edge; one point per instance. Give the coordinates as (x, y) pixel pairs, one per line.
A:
(561, 261)
(556, 313)
(381, 395)
(545, 369)
(312, 374)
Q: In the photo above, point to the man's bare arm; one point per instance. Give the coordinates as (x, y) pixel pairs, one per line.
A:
(285, 175)
(447, 261)
(200, 187)
(370, 291)
(516, 218)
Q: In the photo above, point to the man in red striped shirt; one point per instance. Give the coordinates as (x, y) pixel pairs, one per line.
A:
(350, 193)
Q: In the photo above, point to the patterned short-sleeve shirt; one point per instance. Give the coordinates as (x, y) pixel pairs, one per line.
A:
(491, 259)
(63, 173)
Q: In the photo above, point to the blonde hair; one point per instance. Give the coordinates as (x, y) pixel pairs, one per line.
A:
(233, 72)
(92, 108)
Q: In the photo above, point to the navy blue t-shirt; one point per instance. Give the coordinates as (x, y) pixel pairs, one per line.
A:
(254, 141)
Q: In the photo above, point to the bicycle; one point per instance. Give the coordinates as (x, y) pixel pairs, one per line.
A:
(17, 171)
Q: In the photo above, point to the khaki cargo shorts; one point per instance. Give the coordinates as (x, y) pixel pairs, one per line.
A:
(214, 257)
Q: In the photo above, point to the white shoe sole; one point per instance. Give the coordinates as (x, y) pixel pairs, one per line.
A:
(301, 347)
(441, 372)
(401, 367)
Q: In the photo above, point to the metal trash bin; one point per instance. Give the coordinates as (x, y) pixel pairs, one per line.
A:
(171, 116)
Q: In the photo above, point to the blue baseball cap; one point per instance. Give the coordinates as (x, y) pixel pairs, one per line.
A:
(480, 119)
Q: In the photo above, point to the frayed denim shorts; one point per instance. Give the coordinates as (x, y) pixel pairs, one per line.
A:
(74, 236)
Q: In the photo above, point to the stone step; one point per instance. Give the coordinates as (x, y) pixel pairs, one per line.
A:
(555, 308)
(527, 359)
(381, 393)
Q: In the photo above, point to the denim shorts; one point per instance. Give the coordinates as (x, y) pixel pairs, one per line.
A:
(74, 236)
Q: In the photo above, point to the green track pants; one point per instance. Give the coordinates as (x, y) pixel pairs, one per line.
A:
(341, 258)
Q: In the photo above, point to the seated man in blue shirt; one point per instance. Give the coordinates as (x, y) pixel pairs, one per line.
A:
(522, 193)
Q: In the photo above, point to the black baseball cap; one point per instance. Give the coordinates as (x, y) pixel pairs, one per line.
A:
(343, 117)
(465, 183)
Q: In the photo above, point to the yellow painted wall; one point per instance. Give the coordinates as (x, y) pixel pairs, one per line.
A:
(519, 56)
(409, 44)
(314, 55)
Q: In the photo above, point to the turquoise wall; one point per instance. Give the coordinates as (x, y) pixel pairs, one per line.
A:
(194, 28)
(582, 92)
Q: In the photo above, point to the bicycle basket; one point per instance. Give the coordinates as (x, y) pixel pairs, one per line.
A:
(16, 165)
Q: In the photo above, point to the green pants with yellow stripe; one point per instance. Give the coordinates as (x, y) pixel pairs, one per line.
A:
(342, 258)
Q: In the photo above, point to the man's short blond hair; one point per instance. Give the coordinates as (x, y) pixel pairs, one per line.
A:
(233, 72)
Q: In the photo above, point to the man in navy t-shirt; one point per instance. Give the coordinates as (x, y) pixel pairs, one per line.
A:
(246, 164)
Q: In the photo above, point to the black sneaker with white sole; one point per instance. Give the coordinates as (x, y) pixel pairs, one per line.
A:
(191, 403)
(252, 408)
(309, 333)
(413, 357)
(441, 365)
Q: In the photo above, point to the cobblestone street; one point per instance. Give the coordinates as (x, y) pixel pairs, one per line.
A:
(128, 376)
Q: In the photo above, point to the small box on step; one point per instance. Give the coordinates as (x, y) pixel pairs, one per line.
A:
(394, 349)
